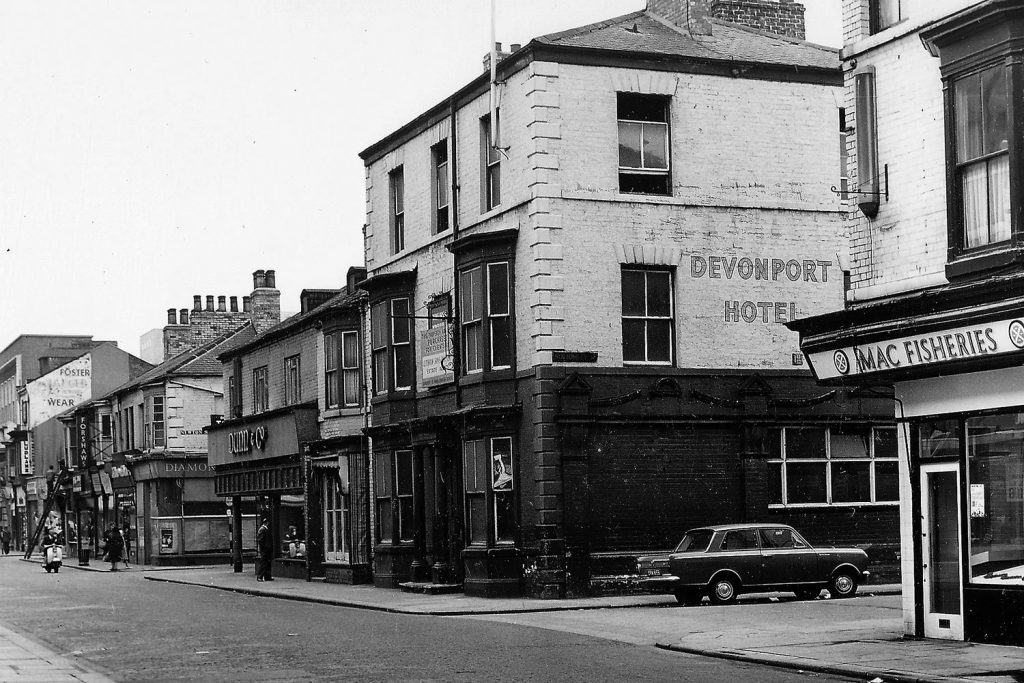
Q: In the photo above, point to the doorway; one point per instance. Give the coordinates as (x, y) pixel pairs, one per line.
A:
(941, 551)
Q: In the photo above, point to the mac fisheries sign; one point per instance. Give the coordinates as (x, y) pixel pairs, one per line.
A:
(900, 353)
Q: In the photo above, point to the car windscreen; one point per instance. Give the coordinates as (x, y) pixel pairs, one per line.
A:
(695, 541)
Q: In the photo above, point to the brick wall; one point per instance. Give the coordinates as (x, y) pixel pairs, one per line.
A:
(302, 343)
(911, 143)
(189, 405)
(783, 17)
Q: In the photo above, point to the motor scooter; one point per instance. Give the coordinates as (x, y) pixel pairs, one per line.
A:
(53, 556)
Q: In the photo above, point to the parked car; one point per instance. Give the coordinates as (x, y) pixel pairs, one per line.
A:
(724, 561)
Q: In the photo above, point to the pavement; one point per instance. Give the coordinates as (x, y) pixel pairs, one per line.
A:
(25, 661)
(861, 637)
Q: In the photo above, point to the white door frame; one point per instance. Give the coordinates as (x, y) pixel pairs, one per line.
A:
(936, 624)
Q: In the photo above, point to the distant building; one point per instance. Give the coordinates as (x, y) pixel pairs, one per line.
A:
(292, 438)
(151, 346)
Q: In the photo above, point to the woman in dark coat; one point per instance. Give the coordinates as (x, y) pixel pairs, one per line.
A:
(115, 546)
(265, 552)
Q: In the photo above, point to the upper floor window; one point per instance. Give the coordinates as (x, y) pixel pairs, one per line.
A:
(440, 185)
(885, 13)
(643, 144)
(391, 332)
(647, 316)
(292, 381)
(233, 407)
(439, 310)
(106, 428)
(260, 390)
(396, 192)
(835, 465)
(350, 368)
(485, 312)
(490, 165)
(981, 106)
(155, 435)
(330, 371)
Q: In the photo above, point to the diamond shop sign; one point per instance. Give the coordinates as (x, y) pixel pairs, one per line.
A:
(942, 346)
(247, 440)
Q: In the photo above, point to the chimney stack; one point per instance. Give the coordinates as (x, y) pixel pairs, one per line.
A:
(197, 303)
(501, 56)
(265, 300)
(234, 304)
(209, 302)
(183, 316)
(693, 16)
(782, 17)
(222, 304)
(172, 316)
(356, 274)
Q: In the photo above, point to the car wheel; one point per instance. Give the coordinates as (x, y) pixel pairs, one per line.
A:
(723, 590)
(688, 597)
(843, 585)
(807, 593)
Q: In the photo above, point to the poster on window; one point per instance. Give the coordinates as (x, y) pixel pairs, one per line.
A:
(501, 464)
(168, 541)
(977, 500)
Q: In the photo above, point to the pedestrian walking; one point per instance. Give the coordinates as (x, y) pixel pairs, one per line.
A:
(264, 551)
(5, 540)
(114, 546)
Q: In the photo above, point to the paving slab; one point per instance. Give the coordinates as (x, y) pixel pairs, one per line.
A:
(23, 660)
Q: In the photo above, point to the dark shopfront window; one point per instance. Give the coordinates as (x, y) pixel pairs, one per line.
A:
(489, 482)
(833, 466)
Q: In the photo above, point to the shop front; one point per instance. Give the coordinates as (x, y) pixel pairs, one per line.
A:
(959, 403)
(261, 456)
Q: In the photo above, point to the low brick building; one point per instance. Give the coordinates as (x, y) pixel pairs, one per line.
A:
(578, 294)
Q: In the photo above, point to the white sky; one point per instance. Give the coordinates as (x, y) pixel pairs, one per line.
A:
(150, 151)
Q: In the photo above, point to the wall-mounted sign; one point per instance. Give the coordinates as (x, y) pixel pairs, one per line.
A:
(247, 440)
(168, 541)
(574, 356)
(900, 353)
(437, 364)
(56, 391)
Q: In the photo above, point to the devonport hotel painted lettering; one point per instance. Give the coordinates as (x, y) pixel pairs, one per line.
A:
(955, 344)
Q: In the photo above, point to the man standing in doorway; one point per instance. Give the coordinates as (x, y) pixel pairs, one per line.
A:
(264, 551)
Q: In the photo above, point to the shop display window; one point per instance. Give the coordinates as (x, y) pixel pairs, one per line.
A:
(292, 525)
(995, 458)
(849, 465)
(488, 472)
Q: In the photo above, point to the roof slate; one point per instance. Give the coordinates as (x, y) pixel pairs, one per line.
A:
(644, 33)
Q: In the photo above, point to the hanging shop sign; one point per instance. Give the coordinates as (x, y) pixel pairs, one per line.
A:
(28, 467)
(84, 450)
(901, 353)
(437, 364)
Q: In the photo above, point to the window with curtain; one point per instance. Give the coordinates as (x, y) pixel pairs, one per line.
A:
(350, 368)
(981, 108)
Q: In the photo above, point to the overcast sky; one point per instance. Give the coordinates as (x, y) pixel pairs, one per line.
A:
(150, 151)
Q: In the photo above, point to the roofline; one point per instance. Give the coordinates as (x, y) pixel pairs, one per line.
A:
(46, 336)
(587, 56)
(294, 325)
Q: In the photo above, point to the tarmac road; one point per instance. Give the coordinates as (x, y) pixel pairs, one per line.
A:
(137, 630)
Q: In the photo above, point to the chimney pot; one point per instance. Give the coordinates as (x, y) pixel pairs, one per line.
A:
(259, 279)
(270, 279)
(197, 303)
(183, 316)
(209, 302)
(246, 304)
(222, 304)
(515, 47)
(172, 316)
(234, 304)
